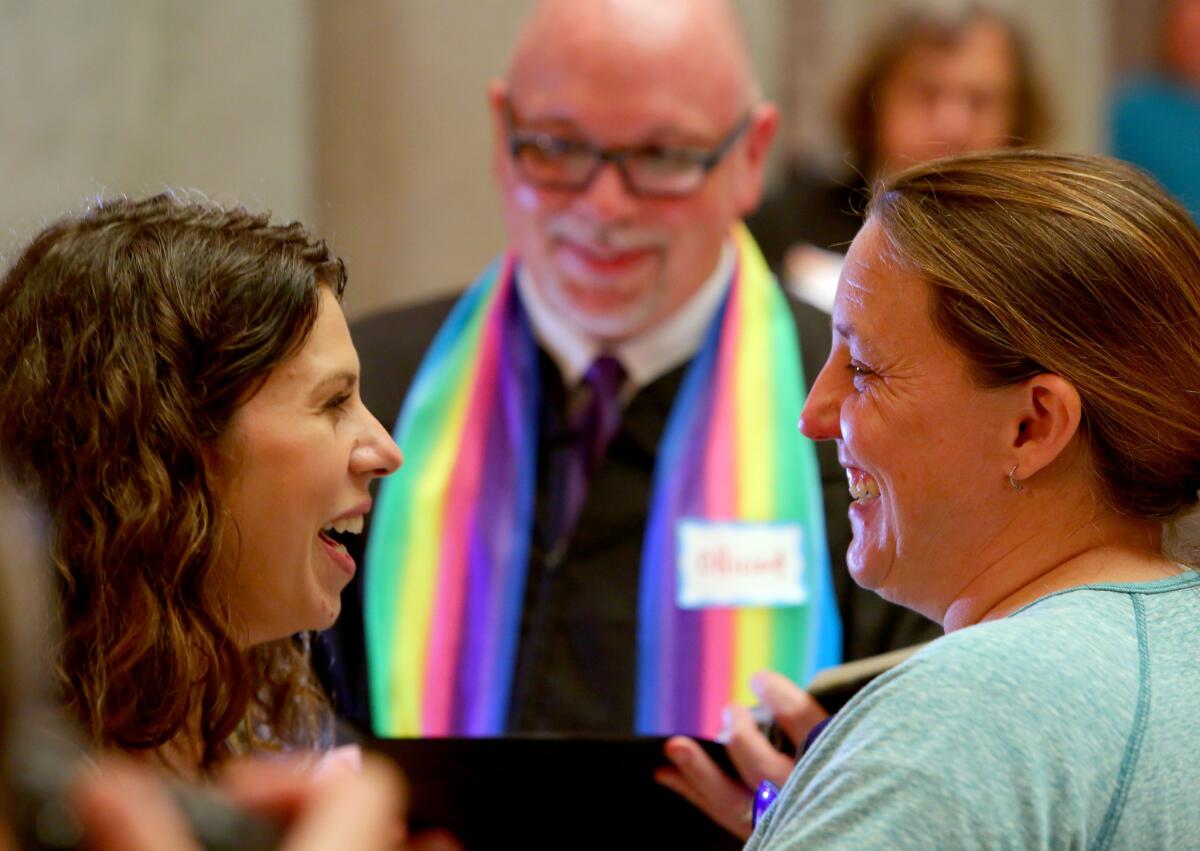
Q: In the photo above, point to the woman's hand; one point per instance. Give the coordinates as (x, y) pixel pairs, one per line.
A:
(723, 799)
(125, 807)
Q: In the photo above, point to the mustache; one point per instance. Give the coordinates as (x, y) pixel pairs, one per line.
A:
(609, 237)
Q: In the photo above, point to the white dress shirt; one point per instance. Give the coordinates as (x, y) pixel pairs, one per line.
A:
(647, 356)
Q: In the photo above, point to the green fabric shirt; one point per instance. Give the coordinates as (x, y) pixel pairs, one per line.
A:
(1073, 723)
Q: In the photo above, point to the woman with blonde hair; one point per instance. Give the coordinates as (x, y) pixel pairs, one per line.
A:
(1013, 389)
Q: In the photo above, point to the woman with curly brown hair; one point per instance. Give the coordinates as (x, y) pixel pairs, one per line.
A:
(181, 391)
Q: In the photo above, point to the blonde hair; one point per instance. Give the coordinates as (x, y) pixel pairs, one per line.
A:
(1075, 265)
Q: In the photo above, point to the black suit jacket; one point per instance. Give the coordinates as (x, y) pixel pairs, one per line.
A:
(805, 207)
(577, 653)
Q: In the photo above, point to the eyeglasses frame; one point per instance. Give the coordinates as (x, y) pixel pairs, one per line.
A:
(707, 160)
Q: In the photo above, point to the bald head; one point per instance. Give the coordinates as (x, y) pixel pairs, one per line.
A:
(642, 43)
(663, 84)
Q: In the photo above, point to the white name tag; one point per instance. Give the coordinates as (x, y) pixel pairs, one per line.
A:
(739, 564)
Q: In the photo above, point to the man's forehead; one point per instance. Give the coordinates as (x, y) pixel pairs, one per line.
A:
(653, 54)
(635, 23)
(656, 114)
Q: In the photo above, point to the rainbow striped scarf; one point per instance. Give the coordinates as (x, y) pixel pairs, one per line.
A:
(449, 545)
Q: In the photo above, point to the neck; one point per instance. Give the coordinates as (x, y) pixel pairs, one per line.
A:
(1103, 548)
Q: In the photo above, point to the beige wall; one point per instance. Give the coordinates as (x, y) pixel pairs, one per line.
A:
(133, 96)
(403, 142)
(365, 117)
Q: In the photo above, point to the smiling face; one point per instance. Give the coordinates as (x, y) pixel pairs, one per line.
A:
(945, 99)
(295, 462)
(616, 75)
(923, 447)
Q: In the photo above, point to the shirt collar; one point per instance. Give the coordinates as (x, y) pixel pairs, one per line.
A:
(647, 356)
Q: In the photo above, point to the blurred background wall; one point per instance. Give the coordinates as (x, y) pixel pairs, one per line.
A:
(132, 96)
(368, 120)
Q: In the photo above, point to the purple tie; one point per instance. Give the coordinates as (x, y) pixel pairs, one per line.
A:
(594, 423)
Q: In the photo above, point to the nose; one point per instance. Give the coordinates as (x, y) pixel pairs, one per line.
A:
(820, 418)
(606, 198)
(376, 454)
(951, 121)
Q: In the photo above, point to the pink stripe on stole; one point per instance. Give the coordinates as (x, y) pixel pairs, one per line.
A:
(720, 498)
(446, 623)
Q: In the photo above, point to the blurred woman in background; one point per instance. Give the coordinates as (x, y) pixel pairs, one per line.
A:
(934, 80)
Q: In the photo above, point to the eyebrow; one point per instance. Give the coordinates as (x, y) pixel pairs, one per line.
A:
(342, 376)
(663, 136)
(847, 331)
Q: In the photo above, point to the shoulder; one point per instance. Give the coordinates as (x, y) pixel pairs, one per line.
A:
(1147, 99)
(1064, 649)
(983, 738)
(394, 326)
(808, 207)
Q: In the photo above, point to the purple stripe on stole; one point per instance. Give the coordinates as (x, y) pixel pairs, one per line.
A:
(668, 665)
(686, 682)
(497, 555)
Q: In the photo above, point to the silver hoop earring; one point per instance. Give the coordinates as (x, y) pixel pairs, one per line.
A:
(1015, 484)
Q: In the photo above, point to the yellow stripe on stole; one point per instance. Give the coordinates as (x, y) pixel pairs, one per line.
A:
(755, 486)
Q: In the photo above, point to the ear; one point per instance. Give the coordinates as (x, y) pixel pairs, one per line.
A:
(764, 122)
(497, 95)
(1049, 422)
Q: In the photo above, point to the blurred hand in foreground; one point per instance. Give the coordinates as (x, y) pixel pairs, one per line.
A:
(123, 806)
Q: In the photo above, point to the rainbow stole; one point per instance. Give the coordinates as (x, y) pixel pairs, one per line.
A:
(449, 545)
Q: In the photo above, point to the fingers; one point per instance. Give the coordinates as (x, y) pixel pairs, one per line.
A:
(753, 756)
(279, 788)
(363, 811)
(338, 808)
(795, 710)
(433, 840)
(698, 779)
(121, 807)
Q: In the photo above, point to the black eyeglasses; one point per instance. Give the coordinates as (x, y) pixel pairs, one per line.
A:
(650, 171)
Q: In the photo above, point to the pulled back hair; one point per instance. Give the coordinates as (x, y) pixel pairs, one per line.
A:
(129, 335)
(941, 27)
(1076, 265)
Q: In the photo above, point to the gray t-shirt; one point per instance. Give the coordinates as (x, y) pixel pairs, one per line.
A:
(1073, 723)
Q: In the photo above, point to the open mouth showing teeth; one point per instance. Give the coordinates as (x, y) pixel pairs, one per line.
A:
(862, 487)
(341, 532)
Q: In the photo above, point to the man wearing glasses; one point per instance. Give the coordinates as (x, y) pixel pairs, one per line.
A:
(607, 520)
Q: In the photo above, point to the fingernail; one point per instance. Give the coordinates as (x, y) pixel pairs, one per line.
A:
(757, 685)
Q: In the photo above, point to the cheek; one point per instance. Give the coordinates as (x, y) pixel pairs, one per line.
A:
(526, 213)
(525, 199)
(862, 427)
(524, 205)
(995, 123)
(903, 129)
(695, 229)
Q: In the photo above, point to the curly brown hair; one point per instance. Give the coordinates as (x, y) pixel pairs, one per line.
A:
(129, 334)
